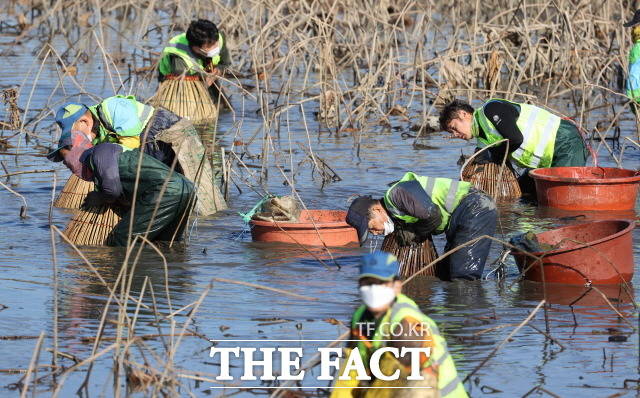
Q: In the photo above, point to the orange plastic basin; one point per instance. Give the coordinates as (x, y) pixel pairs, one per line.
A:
(586, 188)
(330, 227)
(600, 252)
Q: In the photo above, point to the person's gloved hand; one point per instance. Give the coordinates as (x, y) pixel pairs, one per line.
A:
(484, 158)
(406, 237)
(93, 199)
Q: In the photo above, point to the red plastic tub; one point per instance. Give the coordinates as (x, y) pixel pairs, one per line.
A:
(586, 188)
(600, 252)
(331, 229)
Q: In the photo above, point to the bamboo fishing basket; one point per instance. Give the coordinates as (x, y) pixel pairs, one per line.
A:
(93, 226)
(187, 97)
(498, 181)
(414, 257)
(73, 193)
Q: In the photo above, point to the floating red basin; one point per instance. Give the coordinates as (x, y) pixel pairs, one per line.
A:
(313, 228)
(600, 252)
(586, 188)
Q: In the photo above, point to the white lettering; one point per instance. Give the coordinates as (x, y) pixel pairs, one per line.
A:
(374, 364)
(416, 369)
(287, 363)
(266, 363)
(224, 360)
(354, 362)
(326, 363)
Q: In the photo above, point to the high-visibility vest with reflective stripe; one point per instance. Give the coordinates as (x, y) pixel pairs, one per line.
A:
(179, 45)
(538, 127)
(444, 193)
(440, 360)
(129, 137)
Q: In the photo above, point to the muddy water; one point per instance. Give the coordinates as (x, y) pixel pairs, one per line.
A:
(469, 313)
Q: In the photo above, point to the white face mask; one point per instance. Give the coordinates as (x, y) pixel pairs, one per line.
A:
(388, 227)
(377, 296)
(213, 52)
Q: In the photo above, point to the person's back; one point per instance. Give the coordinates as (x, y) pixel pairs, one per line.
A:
(163, 197)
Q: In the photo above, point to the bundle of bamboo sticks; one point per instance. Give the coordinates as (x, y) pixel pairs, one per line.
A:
(187, 97)
(498, 181)
(73, 193)
(92, 226)
(412, 258)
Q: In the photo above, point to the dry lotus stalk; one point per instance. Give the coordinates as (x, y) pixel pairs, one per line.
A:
(187, 97)
(497, 181)
(411, 258)
(93, 226)
(492, 71)
(73, 193)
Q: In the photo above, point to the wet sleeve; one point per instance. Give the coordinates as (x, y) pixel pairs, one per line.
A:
(411, 199)
(504, 117)
(105, 169)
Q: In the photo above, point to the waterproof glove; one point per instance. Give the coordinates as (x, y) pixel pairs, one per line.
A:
(93, 199)
(407, 236)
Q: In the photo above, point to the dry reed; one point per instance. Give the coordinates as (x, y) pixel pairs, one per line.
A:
(498, 181)
(93, 226)
(73, 193)
(186, 96)
(412, 258)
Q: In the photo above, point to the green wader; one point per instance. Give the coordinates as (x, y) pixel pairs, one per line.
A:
(174, 203)
(570, 150)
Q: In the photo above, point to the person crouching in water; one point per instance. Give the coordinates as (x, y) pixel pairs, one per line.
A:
(388, 318)
(201, 50)
(113, 168)
(419, 206)
(536, 137)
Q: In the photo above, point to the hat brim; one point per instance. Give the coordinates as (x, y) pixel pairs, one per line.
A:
(360, 223)
(55, 156)
(382, 278)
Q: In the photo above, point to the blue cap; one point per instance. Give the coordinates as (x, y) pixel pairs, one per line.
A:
(380, 265)
(68, 114)
(66, 117)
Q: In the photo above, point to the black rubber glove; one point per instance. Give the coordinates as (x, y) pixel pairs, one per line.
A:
(93, 199)
(406, 236)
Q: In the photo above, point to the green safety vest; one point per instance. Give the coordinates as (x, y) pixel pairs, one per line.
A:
(444, 192)
(538, 127)
(179, 45)
(632, 86)
(106, 131)
(449, 384)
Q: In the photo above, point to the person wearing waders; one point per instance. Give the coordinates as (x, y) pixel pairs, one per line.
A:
(113, 168)
(418, 206)
(158, 132)
(633, 80)
(121, 120)
(388, 318)
(202, 51)
(536, 138)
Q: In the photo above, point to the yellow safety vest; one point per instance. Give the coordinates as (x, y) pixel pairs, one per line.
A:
(179, 45)
(440, 360)
(444, 192)
(538, 127)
